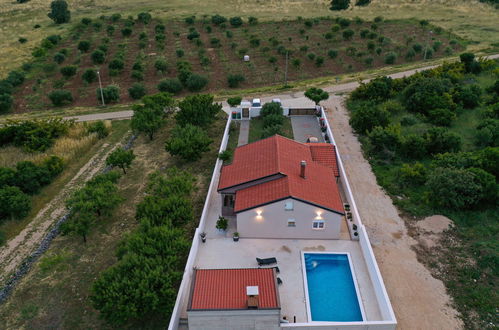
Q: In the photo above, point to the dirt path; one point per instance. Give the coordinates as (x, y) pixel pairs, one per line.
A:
(419, 300)
(18, 248)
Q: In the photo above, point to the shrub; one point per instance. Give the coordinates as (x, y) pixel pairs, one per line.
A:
(159, 29)
(368, 61)
(344, 22)
(413, 174)
(98, 127)
(188, 142)
(126, 32)
(110, 30)
(319, 61)
(59, 12)
(98, 56)
(410, 54)
(193, 34)
(137, 75)
(14, 203)
(311, 56)
(413, 146)
(225, 155)
(171, 85)
(196, 82)
(436, 45)
(54, 39)
(22, 40)
(39, 52)
(116, 64)
(440, 140)
(229, 34)
(252, 20)
(417, 47)
(190, 20)
(362, 2)
(84, 46)
(6, 102)
(59, 58)
(137, 91)
(68, 71)
(161, 65)
(218, 19)
(332, 53)
(60, 97)
(111, 93)
(144, 18)
(236, 21)
(385, 141)
(115, 17)
(234, 101)
(390, 58)
(234, 80)
(271, 130)
(296, 62)
(367, 116)
(454, 188)
(272, 59)
(441, 117)
(468, 96)
(308, 23)
(197, 110)
(89, 76)
(180, 52)
(348, 34)
(254, 42)
(215, 42)
(339, 4)
(271, 108)
(428, 52)
(488, 133)
(272, 120)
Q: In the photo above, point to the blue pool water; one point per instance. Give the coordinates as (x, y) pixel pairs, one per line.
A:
(331, 291)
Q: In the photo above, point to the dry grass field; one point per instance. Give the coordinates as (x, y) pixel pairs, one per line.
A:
(468, 19)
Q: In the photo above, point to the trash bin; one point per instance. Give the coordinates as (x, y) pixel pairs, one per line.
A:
(234, 115)
(238, 115)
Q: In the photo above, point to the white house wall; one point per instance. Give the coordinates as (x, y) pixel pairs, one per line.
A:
(234, 319)
(273, 222)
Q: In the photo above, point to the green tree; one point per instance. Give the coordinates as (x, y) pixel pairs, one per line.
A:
(162, 102)
(30, 177)
(170, 85)
(13, 203)
(147, 119)
(59, 12)
(89, 76)
(339, 4)
(378, 90)
(196, 82)
(98, 56)
(440, 140)
(59, 58)
(385, 141)
(137, 91)
(236, 21)
(454, 188)
(234, 101)
(111, 93)
(84, 46)
(188, 142)
(365, 116)
(316, 94)
(144, 18)
(60, 97)
(68, 71)
(6, 102)
(197, 110)
(271, 108)
(121, 158)
(348, 34)
(234, 80)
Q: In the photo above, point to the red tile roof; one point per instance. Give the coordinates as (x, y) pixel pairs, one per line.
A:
(226, 288)
(325, 154)
(276, 155)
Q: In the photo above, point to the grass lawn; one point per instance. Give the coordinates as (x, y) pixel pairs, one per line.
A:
(256, 128)
(55, 294)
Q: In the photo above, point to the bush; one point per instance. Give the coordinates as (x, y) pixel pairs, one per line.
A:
(137, 91)
(252, 20)
(126, 32)
(115, 17)
(332, 53)
(197, 110)
(22, 40)
(234, 101)
(144, 18)
(180, 52)
(417, 47)
(273, 120)
(425, 94)
(98, 56)
(14, 203)
(188, 142)
(236, 21)
(348, 34)
(413, 146)
(440, 140)
(196, 82)
(339, 4)
(225, 155)
(6, 102)
(441, 117)
(110, 30)
(116, 64)
(296, 62)
(98, 127)
(111, 93)
(271, 130)
(454, 188)
(468, 96)
(271, 108)
(39, 52)
(190, 20)
(428, 52)
(344, 22)
(15, 78)
(470, 64)
(234, 80)
(413, 174)
(215, 42)
(59, 58)
(390, 58)
(362, 2)
(487, 133)
(68, 71)
(86, 21)
(161, 65)
(378, 90)
(89, 76)
(84, 46)
(171, 85)
(366, 116)
(218, 19)
(311, 56)
(60, 97)
(319, 61)
(410, 54)
(59, 12)
(193, 35)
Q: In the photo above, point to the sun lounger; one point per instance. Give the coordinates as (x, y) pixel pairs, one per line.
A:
(266, 261)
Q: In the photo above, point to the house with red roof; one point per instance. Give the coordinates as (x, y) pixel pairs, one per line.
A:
(281, 188)
(244, 298)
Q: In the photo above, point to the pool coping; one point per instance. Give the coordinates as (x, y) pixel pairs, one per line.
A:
(305, 287)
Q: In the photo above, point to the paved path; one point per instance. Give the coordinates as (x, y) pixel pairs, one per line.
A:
(289, 99)
(305, 127)
(243, 132)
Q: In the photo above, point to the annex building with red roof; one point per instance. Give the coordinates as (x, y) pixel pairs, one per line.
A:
(281, 188)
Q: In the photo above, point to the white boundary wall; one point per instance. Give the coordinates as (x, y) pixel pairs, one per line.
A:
(183, 291)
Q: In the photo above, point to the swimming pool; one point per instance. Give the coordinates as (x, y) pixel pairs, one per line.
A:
(330, 287)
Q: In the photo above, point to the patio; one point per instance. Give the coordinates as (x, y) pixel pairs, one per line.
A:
(225, 253)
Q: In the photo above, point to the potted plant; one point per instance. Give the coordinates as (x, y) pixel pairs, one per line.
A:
(235, 237)
(222, 224)
(203, 237)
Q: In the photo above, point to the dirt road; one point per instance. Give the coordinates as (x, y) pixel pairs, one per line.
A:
(419, 300)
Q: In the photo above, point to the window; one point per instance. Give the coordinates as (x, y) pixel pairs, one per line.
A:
(288, 206)
(318, 224)
(291, 223)
(229, 200)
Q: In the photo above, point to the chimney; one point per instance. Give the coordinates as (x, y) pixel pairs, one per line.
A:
(252, 293)
(303, 165)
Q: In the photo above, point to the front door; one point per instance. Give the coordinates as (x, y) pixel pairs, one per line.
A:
(245, 112)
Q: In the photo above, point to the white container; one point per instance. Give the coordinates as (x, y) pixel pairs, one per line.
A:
(246, 58)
